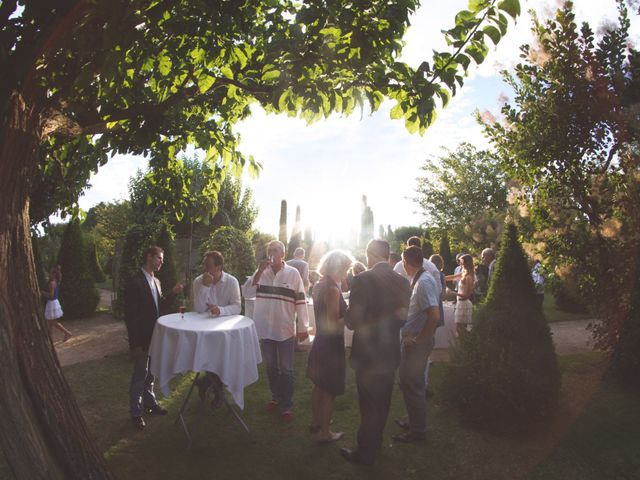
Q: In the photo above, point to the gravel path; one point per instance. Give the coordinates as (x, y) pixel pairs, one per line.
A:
(102, 336)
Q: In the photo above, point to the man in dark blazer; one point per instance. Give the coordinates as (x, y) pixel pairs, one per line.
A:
(143, 300)
(378, 306)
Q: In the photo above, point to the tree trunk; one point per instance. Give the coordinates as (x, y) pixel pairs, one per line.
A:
(42, 432)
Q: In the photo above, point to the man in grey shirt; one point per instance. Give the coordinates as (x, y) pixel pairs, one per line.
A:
(299, 264)
(417, 341)
(302, 266)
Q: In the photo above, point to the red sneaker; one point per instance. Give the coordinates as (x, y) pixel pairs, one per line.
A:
(271, 406)
(288, 416)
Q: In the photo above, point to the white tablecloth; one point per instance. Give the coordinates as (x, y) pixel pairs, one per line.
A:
(227, 346)
(444, 335)
(447, 333)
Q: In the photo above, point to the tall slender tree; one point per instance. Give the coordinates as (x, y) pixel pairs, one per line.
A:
(282, 232)
(570, 138)
(366, 222)
(296, 234)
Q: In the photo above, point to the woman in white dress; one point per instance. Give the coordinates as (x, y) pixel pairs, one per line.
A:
(53, 310)
(466, 284)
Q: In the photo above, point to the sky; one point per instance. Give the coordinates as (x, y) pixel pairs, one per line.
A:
(327, 167)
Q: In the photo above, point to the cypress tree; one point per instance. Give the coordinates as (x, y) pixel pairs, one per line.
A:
(282, 233)
(308, 240)
(296, 235)
(504, 375)
(366, 222)
(78, 294)
(93, 264)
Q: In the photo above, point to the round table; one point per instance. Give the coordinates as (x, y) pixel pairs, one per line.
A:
(227, 346)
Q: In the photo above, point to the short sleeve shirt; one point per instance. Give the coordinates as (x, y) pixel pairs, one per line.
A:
(425, 294)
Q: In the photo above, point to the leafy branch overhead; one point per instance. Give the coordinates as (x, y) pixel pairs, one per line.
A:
(151, 77)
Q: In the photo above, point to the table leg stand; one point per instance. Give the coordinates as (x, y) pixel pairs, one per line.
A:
(184, 406)
(235, 414)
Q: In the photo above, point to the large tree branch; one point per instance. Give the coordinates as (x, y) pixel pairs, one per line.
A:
(58, 36)
(612, 153)
(98, 123)
(7, 7)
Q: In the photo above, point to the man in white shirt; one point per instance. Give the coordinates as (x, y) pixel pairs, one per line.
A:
(427, 265)
(279, 293)
(216, 292)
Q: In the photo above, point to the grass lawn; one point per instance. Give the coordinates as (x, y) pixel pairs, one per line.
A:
(593, 436)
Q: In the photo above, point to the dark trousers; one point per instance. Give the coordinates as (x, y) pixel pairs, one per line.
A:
(141, 387)
(374, 397)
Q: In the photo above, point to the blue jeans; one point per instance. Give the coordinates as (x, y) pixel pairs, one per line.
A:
(141, 387)
(278, 357)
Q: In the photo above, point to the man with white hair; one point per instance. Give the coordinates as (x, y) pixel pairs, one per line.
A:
(482, 275)
(488, 258)
(279, 293)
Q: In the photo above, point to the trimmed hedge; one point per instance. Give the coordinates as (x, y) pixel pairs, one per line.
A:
(78, 295)
(503, 375)
(93, 264)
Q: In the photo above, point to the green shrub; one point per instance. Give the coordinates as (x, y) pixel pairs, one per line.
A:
(237, 250)
(167, 275)
(91, 255)
(566, 292)
(504, 375)
(259, 242)
(78, 294)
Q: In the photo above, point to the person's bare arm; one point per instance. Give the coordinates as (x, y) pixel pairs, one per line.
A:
(333, 310)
